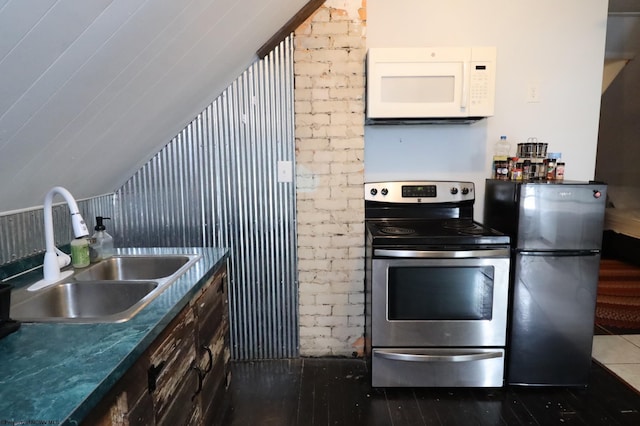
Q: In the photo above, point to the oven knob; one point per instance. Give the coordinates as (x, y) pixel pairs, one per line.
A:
(374, 191)
(454, 191)
(384, 191)
(465, 191)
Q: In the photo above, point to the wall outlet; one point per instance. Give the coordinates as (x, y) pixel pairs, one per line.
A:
(285, 171)
(533, 93)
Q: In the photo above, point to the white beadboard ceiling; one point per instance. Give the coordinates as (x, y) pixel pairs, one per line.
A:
(91, 89)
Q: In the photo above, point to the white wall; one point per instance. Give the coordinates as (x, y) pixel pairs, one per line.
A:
(558, 46)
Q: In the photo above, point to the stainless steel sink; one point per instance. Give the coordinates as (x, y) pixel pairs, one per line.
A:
(113, 290)
(133, 268)
(83, 301)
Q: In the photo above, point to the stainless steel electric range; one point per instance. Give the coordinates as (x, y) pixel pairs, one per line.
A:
(436, 287)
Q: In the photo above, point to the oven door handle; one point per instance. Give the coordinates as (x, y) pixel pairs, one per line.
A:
(442, 254)
(426, 357)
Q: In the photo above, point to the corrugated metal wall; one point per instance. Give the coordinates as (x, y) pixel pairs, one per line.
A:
(22, 233)
(216, 184)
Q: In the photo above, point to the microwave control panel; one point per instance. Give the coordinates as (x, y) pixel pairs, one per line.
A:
(480, 92)
(482, 81)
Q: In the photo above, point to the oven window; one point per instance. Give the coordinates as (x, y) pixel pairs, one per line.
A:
(440, 293)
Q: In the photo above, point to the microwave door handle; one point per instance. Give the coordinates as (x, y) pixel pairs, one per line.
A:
(464, 100)
(426, 357)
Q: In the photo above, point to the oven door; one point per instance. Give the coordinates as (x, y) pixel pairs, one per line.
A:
(439, 298)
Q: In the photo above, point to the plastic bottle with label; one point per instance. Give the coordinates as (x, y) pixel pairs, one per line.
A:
(502, 147)
(80, 252)
(501, 151)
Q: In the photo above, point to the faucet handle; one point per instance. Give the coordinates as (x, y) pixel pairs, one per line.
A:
(63, 258)
(53, 261)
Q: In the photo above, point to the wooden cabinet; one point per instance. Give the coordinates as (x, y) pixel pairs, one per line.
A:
(171, 380)
(128, 402)
(212, 341)
(182, 377)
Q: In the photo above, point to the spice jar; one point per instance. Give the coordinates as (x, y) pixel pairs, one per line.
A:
(551, 169)
(559, 171)
(526, 169)
(517, 172)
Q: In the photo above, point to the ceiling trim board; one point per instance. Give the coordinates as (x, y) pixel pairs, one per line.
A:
(293, 23)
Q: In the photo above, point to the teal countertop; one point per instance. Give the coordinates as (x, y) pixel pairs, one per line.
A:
(56, 373)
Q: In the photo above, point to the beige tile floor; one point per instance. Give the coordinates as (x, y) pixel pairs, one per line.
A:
(621, 355)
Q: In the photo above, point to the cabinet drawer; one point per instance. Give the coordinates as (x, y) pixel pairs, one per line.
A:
(437, 367)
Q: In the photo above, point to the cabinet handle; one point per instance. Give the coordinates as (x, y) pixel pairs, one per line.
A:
(152, 375)
(210, 363)
(200, 379)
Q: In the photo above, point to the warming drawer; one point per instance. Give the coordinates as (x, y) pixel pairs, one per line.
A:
(437, 367)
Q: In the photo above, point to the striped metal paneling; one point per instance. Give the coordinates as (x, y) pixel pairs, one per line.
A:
(215, 184)
(22, 233)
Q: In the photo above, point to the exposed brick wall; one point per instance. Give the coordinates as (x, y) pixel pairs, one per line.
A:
(329, 118)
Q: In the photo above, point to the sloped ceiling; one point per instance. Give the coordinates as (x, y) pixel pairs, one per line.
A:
(90, 90)
(623, 38)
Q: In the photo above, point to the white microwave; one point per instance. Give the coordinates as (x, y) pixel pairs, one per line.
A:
(439, 83)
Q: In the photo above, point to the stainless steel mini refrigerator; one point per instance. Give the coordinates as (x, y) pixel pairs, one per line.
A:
(556, 236)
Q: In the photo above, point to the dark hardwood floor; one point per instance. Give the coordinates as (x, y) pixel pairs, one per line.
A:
(335, 391)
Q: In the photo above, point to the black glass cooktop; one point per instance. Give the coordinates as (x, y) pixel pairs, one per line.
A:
(436, 231)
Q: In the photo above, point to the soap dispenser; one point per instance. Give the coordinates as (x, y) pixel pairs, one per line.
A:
(101, 242)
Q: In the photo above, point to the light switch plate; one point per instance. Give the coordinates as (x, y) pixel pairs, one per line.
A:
(285, 171)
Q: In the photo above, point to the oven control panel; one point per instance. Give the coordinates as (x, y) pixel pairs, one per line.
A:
(419, 191)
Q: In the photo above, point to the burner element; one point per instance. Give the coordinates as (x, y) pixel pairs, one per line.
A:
(396, 230)
(458, 223)
(467, 226)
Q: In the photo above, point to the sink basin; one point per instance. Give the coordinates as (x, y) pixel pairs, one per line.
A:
(84, 301)
(133, 268)
(113, 290)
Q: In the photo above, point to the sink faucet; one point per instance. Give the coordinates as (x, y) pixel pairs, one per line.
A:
(55, 259)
